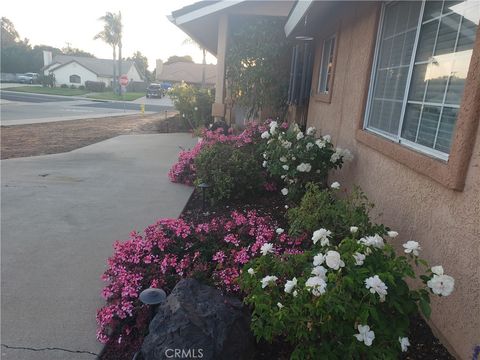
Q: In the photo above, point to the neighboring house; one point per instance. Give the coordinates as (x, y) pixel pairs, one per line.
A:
(187, 72)
(398, 83)
(75, 70)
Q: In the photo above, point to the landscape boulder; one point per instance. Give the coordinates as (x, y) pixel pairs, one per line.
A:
(198, 322)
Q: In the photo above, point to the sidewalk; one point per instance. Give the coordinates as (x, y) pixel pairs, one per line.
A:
(60, 216)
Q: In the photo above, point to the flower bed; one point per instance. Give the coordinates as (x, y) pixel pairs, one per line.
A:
(321, 278)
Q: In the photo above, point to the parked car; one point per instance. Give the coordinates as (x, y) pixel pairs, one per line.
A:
(155, 90)
(27, 78)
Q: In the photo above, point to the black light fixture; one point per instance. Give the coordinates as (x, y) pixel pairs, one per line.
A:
(204, 187)
(152, 296)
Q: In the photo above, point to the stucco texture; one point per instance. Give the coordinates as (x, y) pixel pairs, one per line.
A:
(445, 222)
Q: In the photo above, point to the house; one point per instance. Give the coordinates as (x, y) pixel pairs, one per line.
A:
(187, 72)
(75, 70)
(397, 83)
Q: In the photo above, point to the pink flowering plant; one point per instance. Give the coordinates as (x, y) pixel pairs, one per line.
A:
(345, 297)
(295, 158)
(184, 170)
(213, 252)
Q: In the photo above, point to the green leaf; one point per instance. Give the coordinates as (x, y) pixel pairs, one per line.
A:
(425, 307)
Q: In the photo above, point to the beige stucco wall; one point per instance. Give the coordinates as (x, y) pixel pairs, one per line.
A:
(444, 221)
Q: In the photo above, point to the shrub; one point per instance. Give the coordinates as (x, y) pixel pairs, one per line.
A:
(297, 158)
(95, 86)
(184, 171)
(64, 86)
(326, 208)
(212, 252)
(231, 172)
(73, 87)
(193, 104)
(340, 300)
(81, 87)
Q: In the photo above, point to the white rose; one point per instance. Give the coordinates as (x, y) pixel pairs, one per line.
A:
(441, 284)
(365, 335)
(268, 280)
(318, 259)
(309, 146)
(359, 258)
(333, 260)
(375, 241)
(376, 285)
(311, 130)
(265, 135)
(437, 270)
(353, 229)
(320, 271)
(295, 293)
(412, 247)
(320, 143)
(290, 285)
(266, 248)
(279, 304)
(327, 138)
(264, 164)
(285, 167)
(300, 135)
(284, 191)
(316, 285)
(335, 185)
(283, 159)
(279, 231)
(404, 343)
(322, 235)
(287, 144)
(251, 271)
(392, 234)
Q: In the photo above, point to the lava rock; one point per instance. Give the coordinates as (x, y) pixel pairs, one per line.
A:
(198, 322)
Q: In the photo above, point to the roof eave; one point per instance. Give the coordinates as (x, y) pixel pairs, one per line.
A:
(297, 14)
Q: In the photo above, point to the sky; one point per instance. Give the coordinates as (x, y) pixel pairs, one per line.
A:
(145, 26)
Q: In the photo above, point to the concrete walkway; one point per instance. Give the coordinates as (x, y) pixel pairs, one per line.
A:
(60, 216)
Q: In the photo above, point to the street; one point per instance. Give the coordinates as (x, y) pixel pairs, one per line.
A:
(28, 108)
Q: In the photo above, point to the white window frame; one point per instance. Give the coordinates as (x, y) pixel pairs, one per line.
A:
(397, 138)
(327, 80)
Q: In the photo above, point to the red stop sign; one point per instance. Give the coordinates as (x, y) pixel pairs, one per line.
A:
(123, 80)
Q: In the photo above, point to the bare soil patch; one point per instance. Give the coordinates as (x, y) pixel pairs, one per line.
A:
(64, 136)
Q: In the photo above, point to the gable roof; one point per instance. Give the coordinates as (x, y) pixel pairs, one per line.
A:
(188, 72)
(101, 67)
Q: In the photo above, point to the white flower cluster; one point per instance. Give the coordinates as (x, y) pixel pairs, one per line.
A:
(266, 248)
(375, 241)
(268, 280)
(376, 285)
(341, 154)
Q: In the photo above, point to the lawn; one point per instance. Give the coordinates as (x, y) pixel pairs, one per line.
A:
(109, 95)
(48, 91)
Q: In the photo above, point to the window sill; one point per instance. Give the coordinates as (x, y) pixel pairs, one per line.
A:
(450, 174)
(325, 98)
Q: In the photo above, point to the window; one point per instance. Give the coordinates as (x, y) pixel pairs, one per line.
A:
(326, 67)
(300, 74)
(75, 79)
(421, 63)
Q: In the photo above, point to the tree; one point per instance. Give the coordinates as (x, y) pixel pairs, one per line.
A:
(111, 35)
(68, 50)
(141, 62)
(190, 41)
(9, 33)
(175, 58)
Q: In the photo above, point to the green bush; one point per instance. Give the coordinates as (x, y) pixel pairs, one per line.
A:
(345, 296)
(73, 86)
(81, 87)
(193, 104)
(231, 172)
(64, 86)
(95, 86)
(322, 208)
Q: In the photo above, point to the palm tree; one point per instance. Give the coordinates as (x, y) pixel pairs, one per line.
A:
(111, 34)
(190, 41)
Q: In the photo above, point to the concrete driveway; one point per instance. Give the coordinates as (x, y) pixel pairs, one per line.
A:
(60, 216)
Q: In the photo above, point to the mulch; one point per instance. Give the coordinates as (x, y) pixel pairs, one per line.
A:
(63, 136)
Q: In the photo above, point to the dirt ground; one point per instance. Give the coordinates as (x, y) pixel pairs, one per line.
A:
(64, 136)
